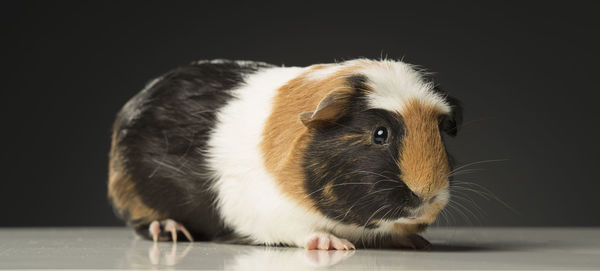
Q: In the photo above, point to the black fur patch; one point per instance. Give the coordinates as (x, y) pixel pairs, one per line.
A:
(451, 124)
(163, 135)
(351, 178)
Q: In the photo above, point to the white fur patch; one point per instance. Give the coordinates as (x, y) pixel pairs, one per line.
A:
(248, 197)
(444, 196)
(396, 83)
(323, 73)
(223, 61)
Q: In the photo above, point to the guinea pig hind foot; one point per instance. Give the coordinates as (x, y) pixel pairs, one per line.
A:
(326, 241)
(159, 230)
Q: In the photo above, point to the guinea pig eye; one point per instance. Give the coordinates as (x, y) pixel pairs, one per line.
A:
(380, 135)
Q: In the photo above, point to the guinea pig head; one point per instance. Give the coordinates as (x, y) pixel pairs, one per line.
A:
(376, 153)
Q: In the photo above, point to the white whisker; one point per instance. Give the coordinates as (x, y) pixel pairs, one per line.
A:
(478, 162)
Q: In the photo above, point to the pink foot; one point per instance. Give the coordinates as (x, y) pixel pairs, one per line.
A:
(326, 241)
(168, 225)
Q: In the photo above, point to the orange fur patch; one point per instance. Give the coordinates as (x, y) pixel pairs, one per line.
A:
(404, 229)
(423, 160)
(430, 213)
(285, 138)
(330, 197)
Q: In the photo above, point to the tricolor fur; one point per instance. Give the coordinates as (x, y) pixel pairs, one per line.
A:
(271, 155)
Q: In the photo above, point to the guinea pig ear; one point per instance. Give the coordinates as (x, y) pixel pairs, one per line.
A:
(328, 110)
(452, 123)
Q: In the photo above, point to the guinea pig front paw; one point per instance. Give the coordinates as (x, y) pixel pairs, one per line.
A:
(326, 241)
(411, 241)
(160, 229)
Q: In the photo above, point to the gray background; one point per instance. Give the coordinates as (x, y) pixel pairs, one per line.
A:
(525, 72)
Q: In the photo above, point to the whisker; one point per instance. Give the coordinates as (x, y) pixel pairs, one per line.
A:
(444, 214)
(360, 199)
(339, 184)
(393, 158)
(384, 215)
(467, 199)
(355, 172)
(476, 185)
(465, 171)
(368, 220)
(469, 211)
(477, 192)
(374, 173)
(448, 218)
(453, 207)
(486, 193)
(478, 162)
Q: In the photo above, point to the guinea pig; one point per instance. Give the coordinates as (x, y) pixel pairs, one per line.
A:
(330, 156)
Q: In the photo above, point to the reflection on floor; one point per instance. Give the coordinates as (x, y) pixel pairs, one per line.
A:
(246, 258)
(454, 248)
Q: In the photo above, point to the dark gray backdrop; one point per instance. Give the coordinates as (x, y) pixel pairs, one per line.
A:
(525, 72)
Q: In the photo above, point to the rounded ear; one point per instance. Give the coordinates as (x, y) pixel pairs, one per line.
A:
(329, 109)
(452, 123)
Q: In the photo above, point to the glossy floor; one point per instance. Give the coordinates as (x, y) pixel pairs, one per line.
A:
(454, 248)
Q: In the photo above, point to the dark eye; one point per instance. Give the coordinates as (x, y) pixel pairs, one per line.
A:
(380, 135)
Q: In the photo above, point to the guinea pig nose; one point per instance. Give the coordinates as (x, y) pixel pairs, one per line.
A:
(432, 199)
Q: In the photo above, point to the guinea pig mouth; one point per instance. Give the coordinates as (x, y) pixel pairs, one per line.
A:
(426, 212)
(413, 212)
(412, 215)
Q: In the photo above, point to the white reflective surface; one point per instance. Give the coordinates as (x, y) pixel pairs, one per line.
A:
(454, 248)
